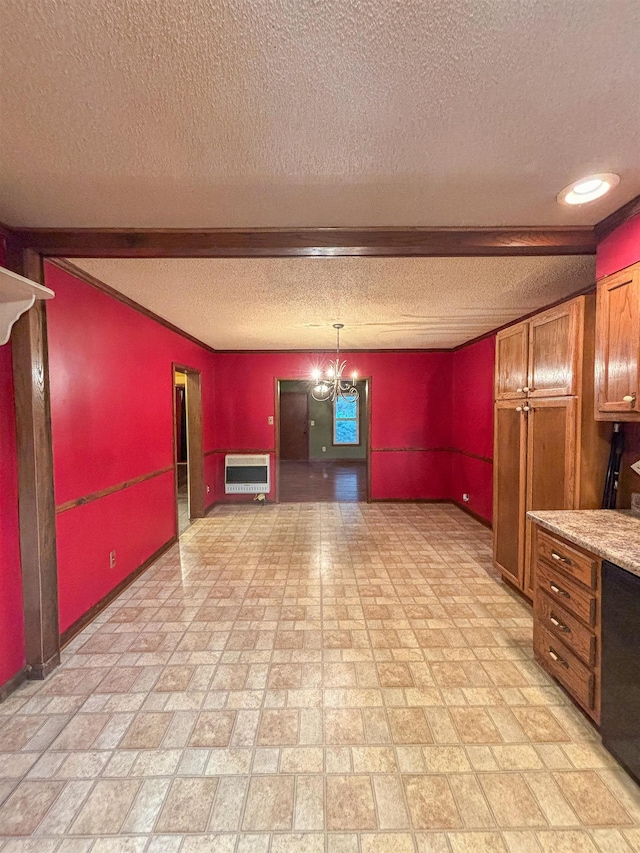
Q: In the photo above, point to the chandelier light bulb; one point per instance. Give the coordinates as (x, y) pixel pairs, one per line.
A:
(335, 386)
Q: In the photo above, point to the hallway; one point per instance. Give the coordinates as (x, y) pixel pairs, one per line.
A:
(346, 678)
(336, 480)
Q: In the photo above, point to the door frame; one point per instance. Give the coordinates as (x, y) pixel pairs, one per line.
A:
(195, 441)
(276, 426)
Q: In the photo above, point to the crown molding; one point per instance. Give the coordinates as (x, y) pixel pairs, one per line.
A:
(617, 218)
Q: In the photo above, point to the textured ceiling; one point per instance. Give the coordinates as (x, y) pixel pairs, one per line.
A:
(384, 303)
(206, 113)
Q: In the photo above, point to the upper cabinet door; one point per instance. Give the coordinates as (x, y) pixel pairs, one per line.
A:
(618, 346)
(512, 346)
(555, 345)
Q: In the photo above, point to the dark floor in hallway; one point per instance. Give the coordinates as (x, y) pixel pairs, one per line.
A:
(342, 480)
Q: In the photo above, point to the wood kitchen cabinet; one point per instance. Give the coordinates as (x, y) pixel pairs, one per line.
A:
(535, 468)
(540, 357)
(549, 452)
(510, 449)
(566, 617)
(512, 347)
(617, 369)
(554, 346)
(550, 465)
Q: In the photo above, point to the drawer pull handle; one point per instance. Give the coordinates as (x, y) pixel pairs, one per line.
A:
(559, 625)
(560, 558)
(553, 654)
(558, 591)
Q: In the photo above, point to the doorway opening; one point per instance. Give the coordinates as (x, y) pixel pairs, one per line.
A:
(322, 447)
(188, 451)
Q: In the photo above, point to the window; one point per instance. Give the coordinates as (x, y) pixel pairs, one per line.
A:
(346, 421)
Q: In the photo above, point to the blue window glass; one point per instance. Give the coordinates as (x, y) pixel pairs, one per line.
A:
(346, 426)
(346, 408)
(346, 432)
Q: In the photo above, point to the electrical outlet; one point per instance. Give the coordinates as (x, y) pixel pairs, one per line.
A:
(270, 420)
(313, 423)
(324, 449)
(112, 559)
(636, 466)
(465, 497)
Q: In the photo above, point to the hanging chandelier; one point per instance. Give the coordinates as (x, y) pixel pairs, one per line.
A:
(334, 386)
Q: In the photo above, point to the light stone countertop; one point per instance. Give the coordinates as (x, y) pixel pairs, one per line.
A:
(611, 534)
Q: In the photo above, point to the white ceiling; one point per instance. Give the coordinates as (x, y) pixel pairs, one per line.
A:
(291, 303)
(166, 113)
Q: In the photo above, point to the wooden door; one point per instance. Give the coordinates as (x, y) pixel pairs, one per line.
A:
(509, 488)
(555, 346)
(551, 463)
(512, 346)
(618, 345)
(195, 448)
(294, 426)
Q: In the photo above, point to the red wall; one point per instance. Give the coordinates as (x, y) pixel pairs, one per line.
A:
(12, 658)
(620, 249)
(472, 426)
(111, 407)
(410, 414)
(112, 421)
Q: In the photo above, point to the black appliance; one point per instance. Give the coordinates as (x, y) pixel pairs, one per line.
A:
(620, 712)
(610, 495)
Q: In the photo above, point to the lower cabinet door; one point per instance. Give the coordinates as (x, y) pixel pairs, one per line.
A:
(557, 659)
(509, 488)
(551, 465)
(564, 625)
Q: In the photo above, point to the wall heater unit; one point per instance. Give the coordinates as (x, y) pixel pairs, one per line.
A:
(247, 474)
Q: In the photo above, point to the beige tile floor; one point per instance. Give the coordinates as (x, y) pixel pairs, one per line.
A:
(345, 678)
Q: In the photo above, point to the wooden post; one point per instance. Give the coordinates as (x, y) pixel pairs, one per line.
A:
(35, 477)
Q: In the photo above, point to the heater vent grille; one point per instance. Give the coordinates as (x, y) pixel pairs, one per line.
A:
(247, 474)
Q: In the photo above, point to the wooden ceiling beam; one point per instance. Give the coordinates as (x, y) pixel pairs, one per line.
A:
(306, 242)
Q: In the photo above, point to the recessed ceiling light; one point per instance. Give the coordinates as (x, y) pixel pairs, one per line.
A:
(588, 189)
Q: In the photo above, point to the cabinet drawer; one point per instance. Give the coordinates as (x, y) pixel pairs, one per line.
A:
(557, 659)
(575, 563)
(559, 622)
(567, 593)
